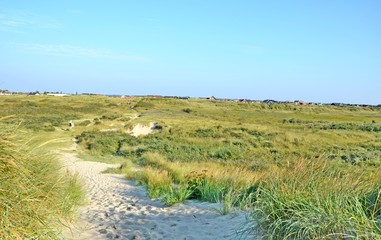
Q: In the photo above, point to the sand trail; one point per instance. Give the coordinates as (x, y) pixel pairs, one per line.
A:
(118, 209)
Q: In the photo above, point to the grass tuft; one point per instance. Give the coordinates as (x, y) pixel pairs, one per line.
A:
(33, 195)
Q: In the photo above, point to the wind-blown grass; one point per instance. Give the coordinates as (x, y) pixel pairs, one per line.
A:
(315, 201)
(34, 196)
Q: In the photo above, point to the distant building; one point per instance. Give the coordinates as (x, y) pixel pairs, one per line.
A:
(269, 101)
(212, 98)
(57, 94)
(34, 93)
(338, 104)
(300, 102)
(5, 92)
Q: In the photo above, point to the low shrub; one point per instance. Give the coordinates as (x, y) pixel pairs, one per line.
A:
(196, 181)
(187, 110)
(84, 123)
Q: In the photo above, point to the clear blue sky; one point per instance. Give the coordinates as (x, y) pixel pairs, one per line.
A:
(321, 51)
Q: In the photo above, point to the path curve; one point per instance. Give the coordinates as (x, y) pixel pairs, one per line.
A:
(118, 209)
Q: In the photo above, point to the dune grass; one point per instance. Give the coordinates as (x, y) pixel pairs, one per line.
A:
(305, 172)
(34, 195)
(314, 200)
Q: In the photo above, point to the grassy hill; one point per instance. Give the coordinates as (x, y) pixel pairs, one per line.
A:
(305, 172)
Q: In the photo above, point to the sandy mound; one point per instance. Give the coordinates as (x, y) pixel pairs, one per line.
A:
(140, 129)
(118, 209)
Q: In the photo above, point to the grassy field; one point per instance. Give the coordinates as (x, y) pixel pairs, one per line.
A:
(305, 172)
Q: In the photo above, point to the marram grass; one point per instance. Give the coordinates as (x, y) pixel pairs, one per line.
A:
(34, 195)
(307, 203)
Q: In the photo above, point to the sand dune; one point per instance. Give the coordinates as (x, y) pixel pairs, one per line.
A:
(140, 129)
(118, 209)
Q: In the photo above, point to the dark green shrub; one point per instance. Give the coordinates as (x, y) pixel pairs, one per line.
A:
(195, 181)
(157, 127)
(223, 153)
(144, 103)
(187, 110)
(110, 117)
(268, 144)
(84, 123)
(204, 133)
(103, 143)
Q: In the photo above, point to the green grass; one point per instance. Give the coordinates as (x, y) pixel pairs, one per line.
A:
(306, 172)
(267, 142)
(34, 195)
(315, 201)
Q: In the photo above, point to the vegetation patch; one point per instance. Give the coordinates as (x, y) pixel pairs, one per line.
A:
(305, 172)
(33, 195)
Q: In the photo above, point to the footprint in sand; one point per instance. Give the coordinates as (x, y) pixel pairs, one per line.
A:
(118, 209)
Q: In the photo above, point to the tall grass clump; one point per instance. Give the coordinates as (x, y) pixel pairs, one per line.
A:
(34, 195)
(175, 182)
(157, 182)
(314, 200)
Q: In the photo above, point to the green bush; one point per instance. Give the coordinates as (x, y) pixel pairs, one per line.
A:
(187, 110)
(84, 123)
(110, 117)
(104, 143)
(195, 182)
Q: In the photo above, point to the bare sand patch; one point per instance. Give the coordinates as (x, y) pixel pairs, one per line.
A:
(141, 129)
(118, 209)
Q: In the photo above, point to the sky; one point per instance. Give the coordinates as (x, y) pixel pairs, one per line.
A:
(318, 51)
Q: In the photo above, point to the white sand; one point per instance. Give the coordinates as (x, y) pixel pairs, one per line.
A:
(140, 129)
(118, 209)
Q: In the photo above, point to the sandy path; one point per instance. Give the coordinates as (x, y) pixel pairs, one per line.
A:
(117, 209)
